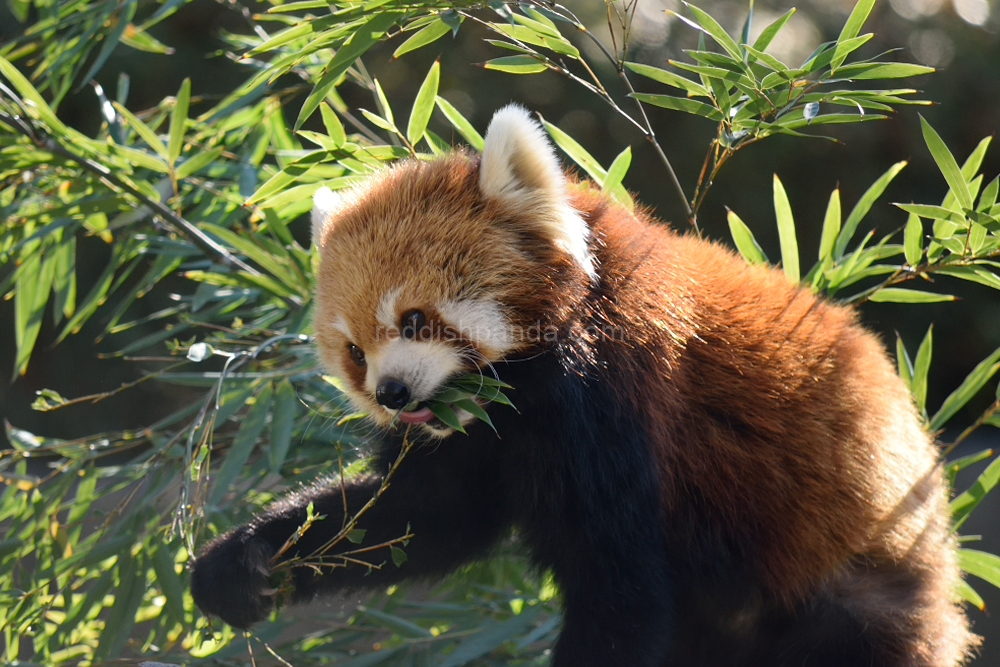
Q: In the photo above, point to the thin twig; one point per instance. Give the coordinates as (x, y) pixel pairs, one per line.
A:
(645, 126)
(346, 530)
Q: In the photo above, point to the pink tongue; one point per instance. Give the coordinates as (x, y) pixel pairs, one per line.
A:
(421, 416)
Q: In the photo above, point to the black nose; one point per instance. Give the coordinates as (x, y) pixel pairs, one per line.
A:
(392, 394)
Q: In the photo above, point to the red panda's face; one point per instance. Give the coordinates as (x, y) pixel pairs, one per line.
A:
(435, 269)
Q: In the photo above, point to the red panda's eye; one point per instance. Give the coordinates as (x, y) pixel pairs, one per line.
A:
(356, 354)
(413, 324)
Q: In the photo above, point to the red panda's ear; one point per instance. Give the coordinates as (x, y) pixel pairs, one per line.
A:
(326, 202)
(519, 167)
(518, 160)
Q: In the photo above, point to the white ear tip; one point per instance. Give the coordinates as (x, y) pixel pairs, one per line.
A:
(325, 200)
(512, 120)
(325, 203)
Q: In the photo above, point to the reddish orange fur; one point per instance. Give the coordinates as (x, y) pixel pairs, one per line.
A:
(771, 408)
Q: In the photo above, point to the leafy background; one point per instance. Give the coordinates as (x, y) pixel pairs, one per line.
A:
(122, 590)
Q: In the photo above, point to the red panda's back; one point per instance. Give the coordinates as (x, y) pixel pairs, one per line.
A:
(783, 413)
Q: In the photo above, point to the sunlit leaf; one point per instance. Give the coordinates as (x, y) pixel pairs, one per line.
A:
(903, 363)
(960, 464)
(680, 104)
(668, 78)
(964, 503)
(984, 565)
(913, 240)
(426, 35)
(967, 593)
(711, 27)
(786, 232)
(971, 386)
(770, 32)
(423, 105)
(460, 123)
(902, 295)
(516, 65)
(921, 369)
(282, 422)
(744, 240)
(864, 205)
(243, 444)
(831, 226)
(178, 119)
(947, 164)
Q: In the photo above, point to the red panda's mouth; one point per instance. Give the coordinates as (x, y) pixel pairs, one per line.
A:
(420, 414)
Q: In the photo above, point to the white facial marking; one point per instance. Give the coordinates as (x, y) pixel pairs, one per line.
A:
(340, 324)
(423, 366)
(386, 313)
(481, 321)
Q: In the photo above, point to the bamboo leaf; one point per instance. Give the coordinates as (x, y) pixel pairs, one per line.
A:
(38, 104)
(282, 423)
(984, 565)
(965, 502)
(199, 161)
(178, 118)
(869, 71)
(428, 34)
(864, 205)
(668, 78)
(901, 295)
(970, 386)
(680, 104)
(744, 240)
(903, 363)
(960, 464)
(932, 212)
(576, 152)
(947, 164)
(831, 226)
(711, 27)
(786, 232)
(969, 594)
(617, 170)
(362, 39)
(395, 623)
(111, 40)
(121, 619)
(447, 416)
(334, 128)
(33, 286)
(170, 582)
(423, 105)
(989, 196)
(853, 26)
(475, 410)
(770, 32)
(516, 65)
(913, 240)
(143, 131)
(976, 274)
(921, 368)
(460, 123)
(243, 444)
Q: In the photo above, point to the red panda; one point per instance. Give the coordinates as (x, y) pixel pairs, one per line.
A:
(718, 467)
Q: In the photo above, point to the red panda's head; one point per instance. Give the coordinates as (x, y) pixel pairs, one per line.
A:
(437, 268)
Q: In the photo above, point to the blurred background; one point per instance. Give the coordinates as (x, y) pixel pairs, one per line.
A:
(961, 38)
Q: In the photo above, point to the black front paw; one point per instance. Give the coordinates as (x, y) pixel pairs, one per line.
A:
(230, 579)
